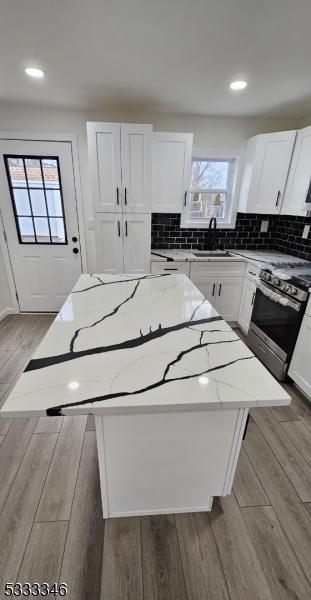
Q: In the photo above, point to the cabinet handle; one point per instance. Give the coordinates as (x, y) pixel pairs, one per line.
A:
(213, 292)
(219, 291)
(185, 198)
(278, 198)
(253, 298)
(119, 228)
(126, 228)
(170, 269)
(125, 198)
(117, 196)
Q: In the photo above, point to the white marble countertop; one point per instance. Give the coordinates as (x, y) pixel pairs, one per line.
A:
(137, 343)
(255, 256)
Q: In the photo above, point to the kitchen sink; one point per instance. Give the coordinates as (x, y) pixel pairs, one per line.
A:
(211, 253)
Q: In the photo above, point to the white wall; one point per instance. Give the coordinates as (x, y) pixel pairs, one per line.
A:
(221, 132)
(5, 296)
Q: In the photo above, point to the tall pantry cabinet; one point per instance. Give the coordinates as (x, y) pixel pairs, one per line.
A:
(120, 169)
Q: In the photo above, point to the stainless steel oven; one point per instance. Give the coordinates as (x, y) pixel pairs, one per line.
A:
(276, 318)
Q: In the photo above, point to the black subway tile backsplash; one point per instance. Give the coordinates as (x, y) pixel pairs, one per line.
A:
(284, 234)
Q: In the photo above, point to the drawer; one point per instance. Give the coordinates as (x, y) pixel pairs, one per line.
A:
(170, 267)
(217, 268)
(252, 271)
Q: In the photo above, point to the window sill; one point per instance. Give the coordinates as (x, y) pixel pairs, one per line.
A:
(193, 224)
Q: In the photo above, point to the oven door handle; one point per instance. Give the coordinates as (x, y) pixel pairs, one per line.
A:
(276, 297)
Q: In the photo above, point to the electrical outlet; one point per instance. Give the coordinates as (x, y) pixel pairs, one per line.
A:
(264, 226)
(305, 232)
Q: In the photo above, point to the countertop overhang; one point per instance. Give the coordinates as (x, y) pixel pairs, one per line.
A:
(137, 343)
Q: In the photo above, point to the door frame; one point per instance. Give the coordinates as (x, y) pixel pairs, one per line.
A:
(45, 137)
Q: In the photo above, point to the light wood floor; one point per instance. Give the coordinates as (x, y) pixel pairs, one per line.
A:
(254, 545)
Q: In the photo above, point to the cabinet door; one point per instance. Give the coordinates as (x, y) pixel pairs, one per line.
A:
(136, 147)
(207, 286)
(299, 176)
(246, 306)
(137, 243)
(266, 168)
(109, 242)
(171, 171)
(104, 146)
(299, 368)
(228, 297)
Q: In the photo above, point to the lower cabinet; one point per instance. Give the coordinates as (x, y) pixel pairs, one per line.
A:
(123, 242)
(247, 301)
(299, 369)
(224, 293)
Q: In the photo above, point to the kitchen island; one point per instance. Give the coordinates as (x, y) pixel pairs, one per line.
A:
(168, 380)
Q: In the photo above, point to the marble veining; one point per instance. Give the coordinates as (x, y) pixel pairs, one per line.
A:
(131, 342)
(255, 256)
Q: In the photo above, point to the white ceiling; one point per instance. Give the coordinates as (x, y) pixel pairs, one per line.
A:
(159, 55)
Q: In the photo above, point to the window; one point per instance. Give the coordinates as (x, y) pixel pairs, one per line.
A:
(37, 199)
(211, 191)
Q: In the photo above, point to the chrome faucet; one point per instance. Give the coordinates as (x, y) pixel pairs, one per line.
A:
(212, 225)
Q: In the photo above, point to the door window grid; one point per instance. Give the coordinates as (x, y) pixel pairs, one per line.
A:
(31, 174)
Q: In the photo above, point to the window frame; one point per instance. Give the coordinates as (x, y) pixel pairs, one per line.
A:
(6, 158)
(217, 154)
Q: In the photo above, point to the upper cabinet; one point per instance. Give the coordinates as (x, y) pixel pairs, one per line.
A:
(171, 171)
(299, 176)
(120, 166)
(266, 166)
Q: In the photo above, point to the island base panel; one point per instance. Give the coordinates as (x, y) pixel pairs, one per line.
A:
(167, 462)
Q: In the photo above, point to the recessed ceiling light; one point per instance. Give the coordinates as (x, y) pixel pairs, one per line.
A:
(238, 85)
(34, 72)
(203, 380)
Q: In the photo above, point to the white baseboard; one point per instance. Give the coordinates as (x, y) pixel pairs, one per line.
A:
(5, 312)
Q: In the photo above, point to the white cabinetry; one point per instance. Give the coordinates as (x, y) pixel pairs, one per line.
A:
(120, 166)
(171, 267)
(123, 243)
(229, 292)
(299, 176)
(221, 283)
(171, 170)
(136, 236)
(299, 368)
(265, 172)
(247, 302)
(248, 297)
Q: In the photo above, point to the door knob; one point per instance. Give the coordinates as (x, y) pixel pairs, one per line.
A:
(74, 239)
(75, 250)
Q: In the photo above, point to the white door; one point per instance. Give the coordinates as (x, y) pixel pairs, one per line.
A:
(104, 146)
(299, 368)
(171, 171)
(207, 286)
(299, 177)
(109, 242)
(136, 142)
(228, 297)
(137, 243)
(247, 302)
(274, 156)
(39, 211)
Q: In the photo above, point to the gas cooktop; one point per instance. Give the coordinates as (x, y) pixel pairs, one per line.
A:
(298, 274)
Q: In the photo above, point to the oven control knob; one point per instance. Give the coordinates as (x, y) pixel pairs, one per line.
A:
(267, 276)
(287, 287)
(293, 290)
(276, 281)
